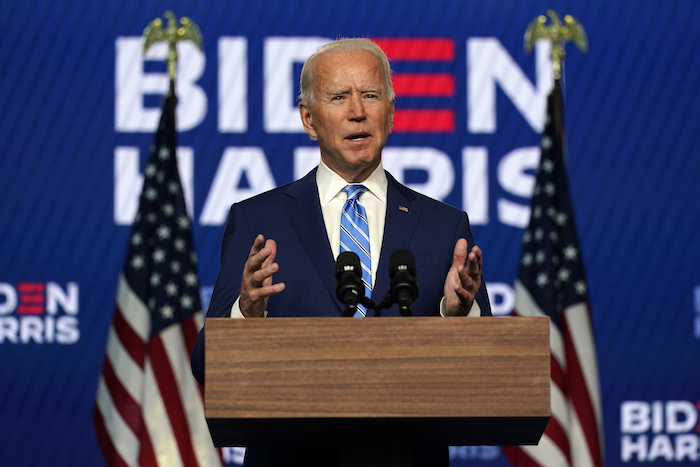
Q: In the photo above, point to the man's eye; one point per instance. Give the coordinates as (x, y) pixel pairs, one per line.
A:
(337, 98)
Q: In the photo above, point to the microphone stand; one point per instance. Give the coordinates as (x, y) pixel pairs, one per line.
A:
(350, 308)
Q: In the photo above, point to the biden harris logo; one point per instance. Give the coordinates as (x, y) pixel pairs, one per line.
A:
(433, 92)
(39, 313)
(660, 431)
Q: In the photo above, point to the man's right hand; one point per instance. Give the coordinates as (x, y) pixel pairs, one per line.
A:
(257, 286)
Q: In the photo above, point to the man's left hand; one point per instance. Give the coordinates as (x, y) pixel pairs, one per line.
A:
(463, 279)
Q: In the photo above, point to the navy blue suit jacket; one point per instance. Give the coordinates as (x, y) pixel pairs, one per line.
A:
(291, 215)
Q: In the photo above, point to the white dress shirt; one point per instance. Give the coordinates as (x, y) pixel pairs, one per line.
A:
(332, 197)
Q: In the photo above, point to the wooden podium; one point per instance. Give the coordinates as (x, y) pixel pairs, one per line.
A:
(399, 381)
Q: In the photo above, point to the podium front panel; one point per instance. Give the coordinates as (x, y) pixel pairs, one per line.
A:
(476, 380)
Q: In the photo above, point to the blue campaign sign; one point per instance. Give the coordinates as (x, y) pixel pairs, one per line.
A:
(80, 104)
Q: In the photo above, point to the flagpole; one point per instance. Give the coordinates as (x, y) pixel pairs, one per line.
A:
(557, 115)
(558, 33)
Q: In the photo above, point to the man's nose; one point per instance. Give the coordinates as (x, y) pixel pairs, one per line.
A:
(357, 109)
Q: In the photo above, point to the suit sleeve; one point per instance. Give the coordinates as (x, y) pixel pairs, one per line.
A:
(235, 246)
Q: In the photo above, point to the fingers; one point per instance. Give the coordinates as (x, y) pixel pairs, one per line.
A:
(469, 274)
(256, 255)
(459, 256)
(271, 246)
(260, 263)
(260, 267)
(474, 261)
(458, 299)
(257, 283)
(465, 297)
(260, 293)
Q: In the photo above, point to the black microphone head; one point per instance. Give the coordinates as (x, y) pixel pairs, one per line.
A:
(347, 262)
(349, 288)
(403, 288)
(402, 260)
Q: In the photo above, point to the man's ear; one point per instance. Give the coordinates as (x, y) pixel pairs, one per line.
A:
(307, 119)
(391, 118)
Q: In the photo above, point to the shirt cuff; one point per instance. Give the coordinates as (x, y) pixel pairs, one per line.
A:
(475, 310)
(236, 309)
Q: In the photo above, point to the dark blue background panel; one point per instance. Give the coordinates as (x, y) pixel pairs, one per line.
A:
(78, 99)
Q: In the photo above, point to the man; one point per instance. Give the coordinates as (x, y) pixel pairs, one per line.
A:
(347, 104)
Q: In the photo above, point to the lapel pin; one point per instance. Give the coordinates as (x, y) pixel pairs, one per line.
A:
(403, 208)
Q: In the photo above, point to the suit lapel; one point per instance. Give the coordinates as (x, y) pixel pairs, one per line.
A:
(401, 220)
(306, 218)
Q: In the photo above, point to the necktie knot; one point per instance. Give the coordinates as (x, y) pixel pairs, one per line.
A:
(354, 191)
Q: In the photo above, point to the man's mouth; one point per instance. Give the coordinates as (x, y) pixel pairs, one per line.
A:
(358, 136)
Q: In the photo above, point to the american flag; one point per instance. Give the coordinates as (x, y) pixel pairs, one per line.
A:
(551, 283)
(149, 409)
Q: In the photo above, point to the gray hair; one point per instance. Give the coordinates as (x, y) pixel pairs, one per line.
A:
(344, 45)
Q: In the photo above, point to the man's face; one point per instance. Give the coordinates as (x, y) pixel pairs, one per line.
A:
(351, 115)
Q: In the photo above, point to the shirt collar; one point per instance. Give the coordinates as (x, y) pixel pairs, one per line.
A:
(330, 183)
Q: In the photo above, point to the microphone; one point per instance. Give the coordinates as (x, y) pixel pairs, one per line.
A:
(350, 290)
(403, 287)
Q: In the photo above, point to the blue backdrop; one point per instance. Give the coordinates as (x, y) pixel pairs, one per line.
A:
(77, 113)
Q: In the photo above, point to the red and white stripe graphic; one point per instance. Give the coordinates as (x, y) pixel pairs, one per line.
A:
(422, 84)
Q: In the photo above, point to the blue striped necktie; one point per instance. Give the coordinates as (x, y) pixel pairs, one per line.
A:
(354, 236)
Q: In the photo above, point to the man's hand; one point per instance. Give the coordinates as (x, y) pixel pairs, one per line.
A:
(257, 286)
(463, 281)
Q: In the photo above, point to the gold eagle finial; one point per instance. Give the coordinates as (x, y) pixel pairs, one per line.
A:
(558, 33)
(172, 34)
